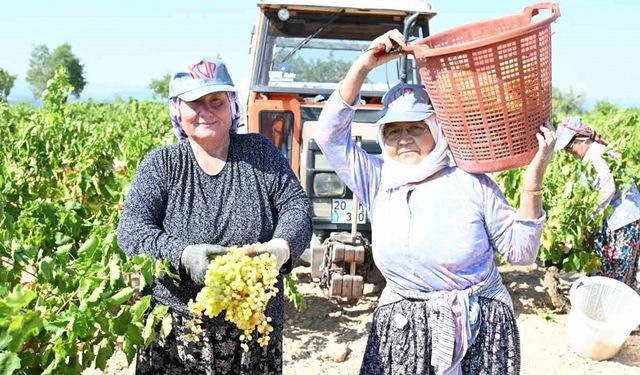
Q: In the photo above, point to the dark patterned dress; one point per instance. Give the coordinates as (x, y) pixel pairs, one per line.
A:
(617, 242)
(394, 348)
(215, 351)
(172, 203)
(619, 250)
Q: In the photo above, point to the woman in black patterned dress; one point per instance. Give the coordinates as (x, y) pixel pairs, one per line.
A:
(191, 200)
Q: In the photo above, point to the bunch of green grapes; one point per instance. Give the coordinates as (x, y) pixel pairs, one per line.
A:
(242, 285)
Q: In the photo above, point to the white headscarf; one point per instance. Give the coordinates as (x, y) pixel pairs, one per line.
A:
(395, 174)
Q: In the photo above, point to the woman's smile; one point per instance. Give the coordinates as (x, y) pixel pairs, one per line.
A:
(407, 151)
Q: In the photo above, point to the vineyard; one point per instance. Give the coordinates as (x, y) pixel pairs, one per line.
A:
(65, 295)
(569, 200)
(67, 300)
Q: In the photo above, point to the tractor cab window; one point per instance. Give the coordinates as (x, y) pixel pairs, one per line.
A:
(295, 60)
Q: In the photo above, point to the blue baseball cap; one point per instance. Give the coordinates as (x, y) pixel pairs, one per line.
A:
(405, 102)
(567, 129)
(200, 78)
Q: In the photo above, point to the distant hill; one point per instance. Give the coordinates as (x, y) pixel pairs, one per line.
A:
(109, 93)
(22, 93)
(99, 93)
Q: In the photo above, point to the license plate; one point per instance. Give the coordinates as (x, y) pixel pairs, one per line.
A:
(341, 211)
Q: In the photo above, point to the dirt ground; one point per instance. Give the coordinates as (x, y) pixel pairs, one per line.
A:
(330, 337)
(316, 337)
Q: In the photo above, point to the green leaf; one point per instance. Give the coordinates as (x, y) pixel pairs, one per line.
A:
(292, 293)
(575, 262)
(129, 350)
(45, 270)
(570, 239)
(52, 367)
(22, 327)
(87, 356)
(103, 322)
(96, 184)
(19, 298)
(25, 254)
(134, 334)
(164, 267)
(5, 338)
(121, 323)
(97, 292)
(61, 238)
(139, 259)
(147, 274)
(104, 352)
(148, 333)
(138, 309)
(89, 245)
(9, 362)
(160, 311)
(81, 326)
(63, 250)
(167, 325)
(120, 297)
(27, 359)
(115, 272)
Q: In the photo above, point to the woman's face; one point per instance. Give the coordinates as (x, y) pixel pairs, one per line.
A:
(407, 142)
(207, 118)
(578, 147)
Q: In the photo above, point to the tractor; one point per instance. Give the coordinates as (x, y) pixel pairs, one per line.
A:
(300, 51)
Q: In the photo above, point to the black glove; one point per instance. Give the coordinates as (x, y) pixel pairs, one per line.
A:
(195, 260)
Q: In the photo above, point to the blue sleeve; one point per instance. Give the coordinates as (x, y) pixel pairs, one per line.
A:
(355, 167)
(517, 239)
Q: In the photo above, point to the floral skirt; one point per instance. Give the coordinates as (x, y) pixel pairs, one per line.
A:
(214, 351)
(619, 251)
(408, 351)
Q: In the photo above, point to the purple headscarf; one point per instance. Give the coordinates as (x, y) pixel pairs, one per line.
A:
(237, 114)
(583, 131)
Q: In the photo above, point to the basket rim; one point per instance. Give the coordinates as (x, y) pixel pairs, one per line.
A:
(478, 43)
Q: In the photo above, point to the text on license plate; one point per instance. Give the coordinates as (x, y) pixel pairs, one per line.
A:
(341, 211)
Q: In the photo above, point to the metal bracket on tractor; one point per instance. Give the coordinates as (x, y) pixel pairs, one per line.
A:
(342, 263)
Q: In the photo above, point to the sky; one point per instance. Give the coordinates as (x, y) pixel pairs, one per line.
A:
(124, 44)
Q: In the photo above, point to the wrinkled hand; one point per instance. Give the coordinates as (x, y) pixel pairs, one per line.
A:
(535, 171)
(195, 260)
(279, 247)
(546, 144)
(375, 55)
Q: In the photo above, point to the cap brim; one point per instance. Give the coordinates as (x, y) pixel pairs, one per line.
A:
(204, 90)
(403, 116)
(564, 138)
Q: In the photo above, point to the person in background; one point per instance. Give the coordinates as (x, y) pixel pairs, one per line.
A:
(191, 200)
(617, 243)
(435, 230)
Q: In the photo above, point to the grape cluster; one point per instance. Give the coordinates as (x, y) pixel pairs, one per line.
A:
(242, 285)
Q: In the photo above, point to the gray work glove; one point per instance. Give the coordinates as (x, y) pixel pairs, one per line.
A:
(279, 247)
(195, 260)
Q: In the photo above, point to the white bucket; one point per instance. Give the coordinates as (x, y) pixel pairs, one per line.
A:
(603, 313)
